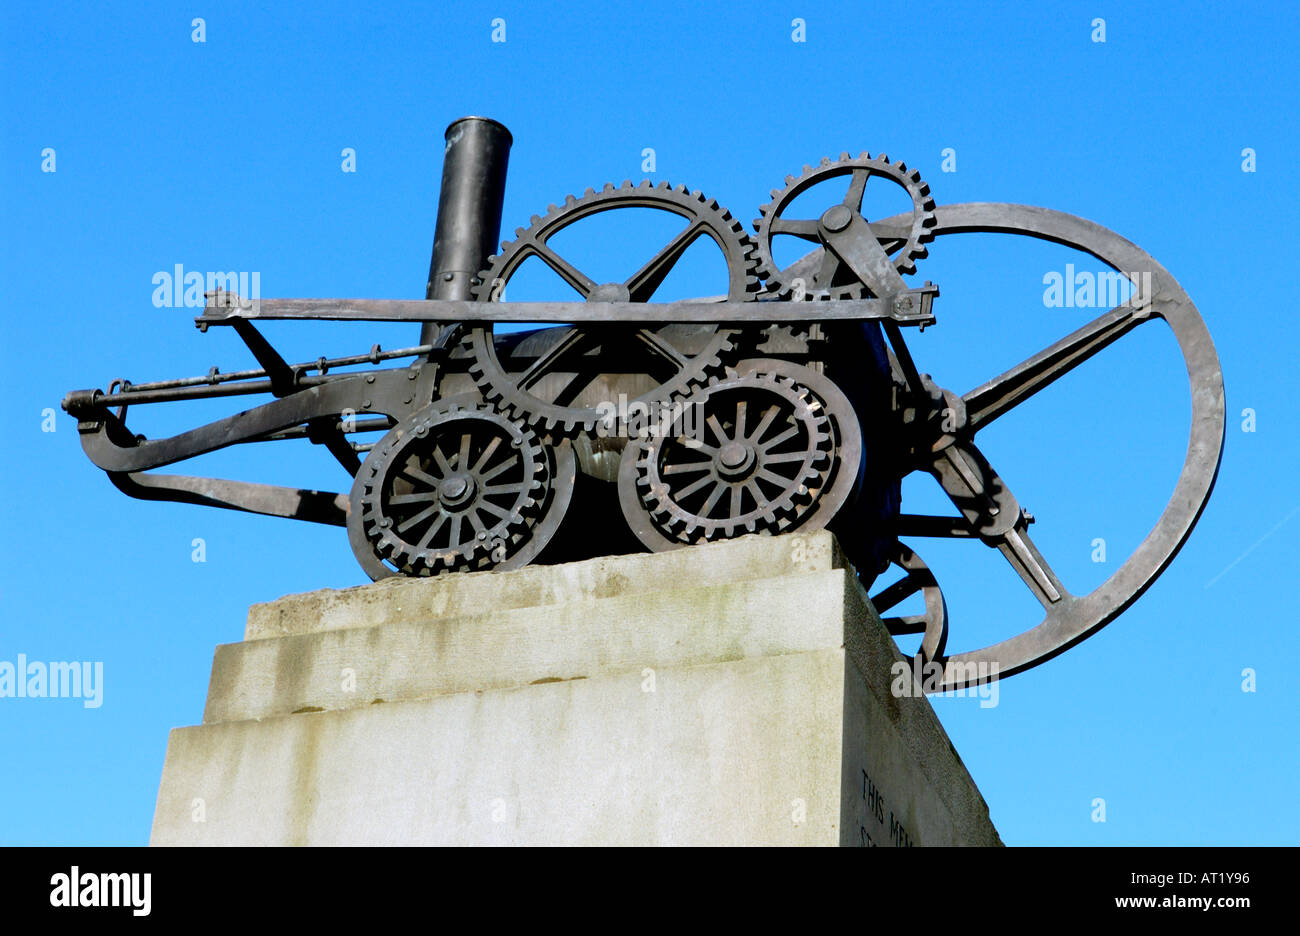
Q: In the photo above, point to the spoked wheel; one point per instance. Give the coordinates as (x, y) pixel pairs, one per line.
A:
(988, 508)
(772, 448)
(554, 391)
(457, 488)
(932, 623)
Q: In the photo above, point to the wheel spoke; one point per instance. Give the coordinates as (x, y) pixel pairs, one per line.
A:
(429, 533)
(475, 522)
(462, 456)
(712, 500)
(763, 424)
(986, 403)
(414, 475)
(904, 588)
(417, 518)
(662, 349)
(693, 487)
(712, 423)
(735, 501)
(643, 283)
(508, 463)
(499, 512)
(398, 500)
(570, 342)
(853, 199)
(487, 453)
(1030, 565)
(567, 271)
(441, 461)
(784, 457)
(807, 230)
(682, 467)
(773, 477)
(778, 439)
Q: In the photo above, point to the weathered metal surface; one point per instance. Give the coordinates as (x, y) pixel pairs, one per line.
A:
(791, 403)
(908, 307)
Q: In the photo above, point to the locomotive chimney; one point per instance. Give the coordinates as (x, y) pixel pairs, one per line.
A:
(469, 209)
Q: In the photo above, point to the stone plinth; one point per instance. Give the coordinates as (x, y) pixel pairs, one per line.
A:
(736, 693)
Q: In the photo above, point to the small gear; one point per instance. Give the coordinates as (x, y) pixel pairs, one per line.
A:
(459, 487)
(823, 275)
(527, 394)
(754, 452)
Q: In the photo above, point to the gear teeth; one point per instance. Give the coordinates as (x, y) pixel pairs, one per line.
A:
(551, 421)
(923, 220)
(570, 200)
(413, 560)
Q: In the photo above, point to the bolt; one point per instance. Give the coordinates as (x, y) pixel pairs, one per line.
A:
(837, 218)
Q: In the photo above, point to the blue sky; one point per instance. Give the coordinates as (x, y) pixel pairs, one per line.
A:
(226, 154)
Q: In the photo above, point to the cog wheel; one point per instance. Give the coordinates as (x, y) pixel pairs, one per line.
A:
(824, 277)
(676, 359)
(772, 447)
(456, 487)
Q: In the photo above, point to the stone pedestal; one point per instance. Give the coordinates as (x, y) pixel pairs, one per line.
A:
(733, 694)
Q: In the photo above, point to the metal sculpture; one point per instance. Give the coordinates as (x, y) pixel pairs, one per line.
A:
(809, 408)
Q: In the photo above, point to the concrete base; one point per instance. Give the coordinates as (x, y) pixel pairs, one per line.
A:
(736, 693)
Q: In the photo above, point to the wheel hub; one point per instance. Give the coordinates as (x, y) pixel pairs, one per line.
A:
(735, 460)
(457, 491)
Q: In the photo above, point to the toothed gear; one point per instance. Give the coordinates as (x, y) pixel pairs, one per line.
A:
(756, 454)
(515, 393)
(456, 488)
(832, 279)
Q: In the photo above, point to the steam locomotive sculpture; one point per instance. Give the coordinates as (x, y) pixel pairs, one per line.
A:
(793, 402)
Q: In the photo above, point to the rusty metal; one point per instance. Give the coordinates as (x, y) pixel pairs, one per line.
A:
(793, 401)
